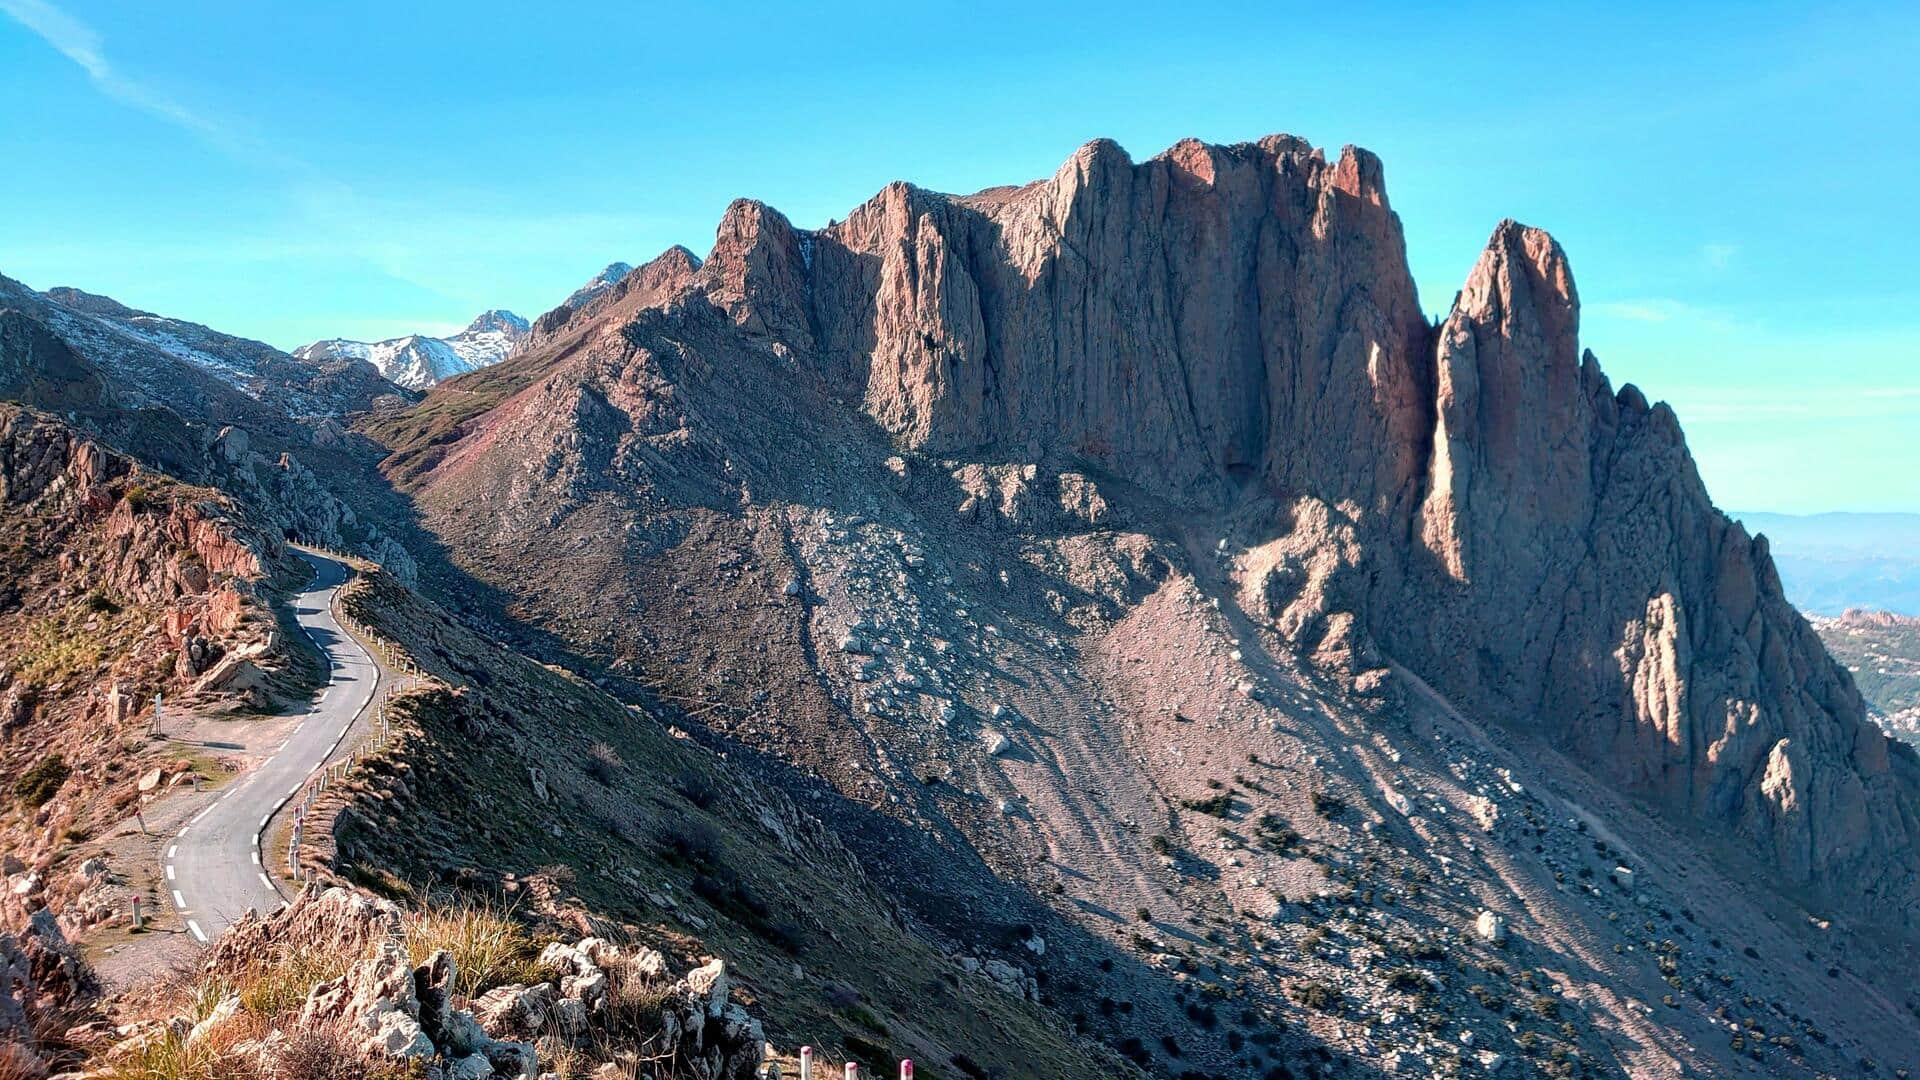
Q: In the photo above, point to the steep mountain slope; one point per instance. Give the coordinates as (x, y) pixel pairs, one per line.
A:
(305, 476)
(417, 362)
(1133, 550)
(150, 351)
(605, 820)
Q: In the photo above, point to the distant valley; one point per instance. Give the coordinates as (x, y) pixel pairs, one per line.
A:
(1831, 562)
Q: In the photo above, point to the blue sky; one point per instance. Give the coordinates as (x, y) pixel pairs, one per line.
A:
(1736, 184)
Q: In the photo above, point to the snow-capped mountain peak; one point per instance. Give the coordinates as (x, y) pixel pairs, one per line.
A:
(599, 283)
(497, 320)
(417, 361)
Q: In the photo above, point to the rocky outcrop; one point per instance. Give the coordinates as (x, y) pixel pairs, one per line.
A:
(620, 1004)
(1231, 335)
(1223, 323)
(139, 536)
(1584, 584)
(595, 986)
(43, 982)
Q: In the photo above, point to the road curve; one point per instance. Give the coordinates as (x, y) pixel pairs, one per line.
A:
(213, 867)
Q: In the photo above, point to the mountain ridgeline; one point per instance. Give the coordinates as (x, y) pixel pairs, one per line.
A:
(1094, 625)
(1231, 335)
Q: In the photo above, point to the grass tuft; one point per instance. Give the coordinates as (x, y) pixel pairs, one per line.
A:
(489, 948)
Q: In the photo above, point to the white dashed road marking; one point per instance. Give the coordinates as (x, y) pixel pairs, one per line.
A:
(224, 887)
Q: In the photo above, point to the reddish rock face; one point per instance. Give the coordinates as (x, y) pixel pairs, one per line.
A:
(1224, 332)
(1192, 321)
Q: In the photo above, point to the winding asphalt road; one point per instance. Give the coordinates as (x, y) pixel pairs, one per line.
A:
(213, 868)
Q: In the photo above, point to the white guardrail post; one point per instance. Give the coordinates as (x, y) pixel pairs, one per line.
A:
(293, 846)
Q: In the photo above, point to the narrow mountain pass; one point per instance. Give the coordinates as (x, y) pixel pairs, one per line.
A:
(215, 868)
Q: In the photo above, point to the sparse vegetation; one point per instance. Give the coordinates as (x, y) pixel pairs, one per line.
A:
(1216, 805)
(38, 785)
(489, 948)
(603, 763)
(1318, 996)
(1327, 805)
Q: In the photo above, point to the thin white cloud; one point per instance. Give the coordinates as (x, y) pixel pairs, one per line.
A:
(83, 45)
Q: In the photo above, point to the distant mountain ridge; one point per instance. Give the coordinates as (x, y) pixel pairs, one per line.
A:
(162, 357)
(1835, 561)
(417, 361)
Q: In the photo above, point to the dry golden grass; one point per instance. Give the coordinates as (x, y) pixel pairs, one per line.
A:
(170, 1056)
(278, 988)
(488, 947)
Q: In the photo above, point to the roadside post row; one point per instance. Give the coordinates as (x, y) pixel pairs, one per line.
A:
(328, 773)
(772, 1072)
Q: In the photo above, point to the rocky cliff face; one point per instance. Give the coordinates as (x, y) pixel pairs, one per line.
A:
(1199, 323)
(1592, 588)
(120, 583)
(1023, 520)
(1223, 325)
